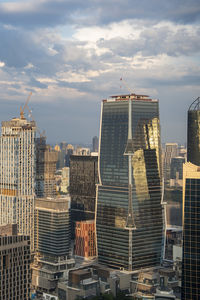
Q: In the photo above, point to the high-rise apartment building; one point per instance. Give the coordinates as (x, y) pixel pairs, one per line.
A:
(191, 208)
(14, 264)
(129, 212)
(17, 174)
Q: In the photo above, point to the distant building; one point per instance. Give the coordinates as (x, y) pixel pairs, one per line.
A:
(64, 185)
(176, 171)
(83, 180)
(129, 211)
(171, 150)
(17, 175)
(69, 152)
(14, 264)
(82, 151)
(46, 160)
(52, 243)
(85, 239)
(95, 144)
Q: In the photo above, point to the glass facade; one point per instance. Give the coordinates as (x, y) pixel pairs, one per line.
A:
(191, 236)
(113, 238)
(193, 137)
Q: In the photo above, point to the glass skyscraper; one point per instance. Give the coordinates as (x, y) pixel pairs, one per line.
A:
(129, 211)
(191, 208)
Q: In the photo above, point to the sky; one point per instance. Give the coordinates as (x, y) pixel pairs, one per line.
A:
(71, 54)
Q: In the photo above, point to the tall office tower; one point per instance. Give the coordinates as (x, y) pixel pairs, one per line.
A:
(46, 160)
(129, 211)
(52, 242)
(193, 133)
(14, 264)
(171, 150)
(17, 174)
(191, 232)
(83, 180)
(191, 205)
(95, 144)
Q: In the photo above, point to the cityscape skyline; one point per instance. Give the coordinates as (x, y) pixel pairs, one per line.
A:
(72, 56)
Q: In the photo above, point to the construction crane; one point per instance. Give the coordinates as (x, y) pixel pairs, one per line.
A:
(42, 134)
(25, 105)
(125, 84)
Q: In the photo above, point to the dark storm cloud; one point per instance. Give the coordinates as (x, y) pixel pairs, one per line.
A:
(49, 13)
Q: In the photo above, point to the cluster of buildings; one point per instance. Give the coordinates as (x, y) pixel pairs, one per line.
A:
(76, 223)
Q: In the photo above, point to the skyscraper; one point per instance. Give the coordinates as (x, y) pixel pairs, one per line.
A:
(193, 133)
(191, 208)
(191, 232)
(129, 211)
(17, 174)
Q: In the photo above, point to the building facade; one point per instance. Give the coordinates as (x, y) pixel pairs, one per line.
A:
(85, 239)
(193, 136)
(129, 212)
(17, 174)
(191, 232)
(46, 160)
(83, 180)
(52, 242)
(191, 208)
(14, 264)
(171, 150)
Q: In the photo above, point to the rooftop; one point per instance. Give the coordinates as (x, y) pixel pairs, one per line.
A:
(130, 96)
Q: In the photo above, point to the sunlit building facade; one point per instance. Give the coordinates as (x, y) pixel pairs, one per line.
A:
(17, 174)
(129, 211)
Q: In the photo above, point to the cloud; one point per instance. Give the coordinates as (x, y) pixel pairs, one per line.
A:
(51, 13)
(71, 54)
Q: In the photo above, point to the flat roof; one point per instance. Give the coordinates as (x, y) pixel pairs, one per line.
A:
(130, 96)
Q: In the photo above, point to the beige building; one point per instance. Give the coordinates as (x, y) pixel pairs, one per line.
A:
(17, 174)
